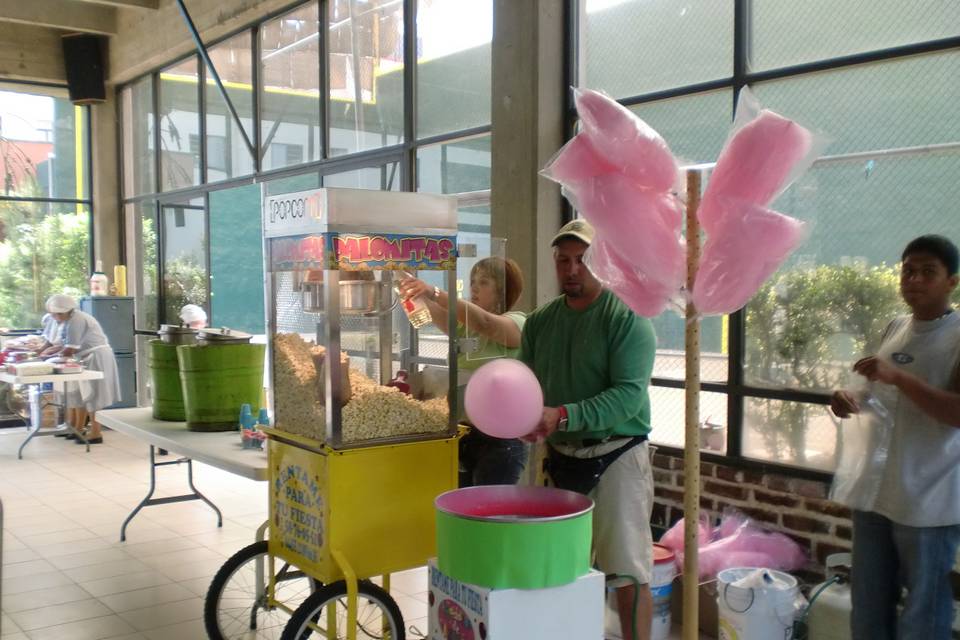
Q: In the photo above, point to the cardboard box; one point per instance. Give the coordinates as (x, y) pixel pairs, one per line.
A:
(49, 410)
(708, 616)
(462, 611)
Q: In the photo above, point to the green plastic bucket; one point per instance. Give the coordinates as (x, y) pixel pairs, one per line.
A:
(216, 380)
(513, 537)
(165, 382)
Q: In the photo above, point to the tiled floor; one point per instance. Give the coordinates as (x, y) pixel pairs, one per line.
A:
(67, 576)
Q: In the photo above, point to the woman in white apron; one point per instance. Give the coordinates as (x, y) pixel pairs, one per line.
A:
(83, 339)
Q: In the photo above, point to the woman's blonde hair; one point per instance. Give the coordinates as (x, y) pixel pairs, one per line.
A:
(506, 273)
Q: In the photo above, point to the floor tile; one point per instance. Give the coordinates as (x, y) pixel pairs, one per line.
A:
(44, 598)
(141, 598)
(59, 614)
(92, 629)
(163, 615)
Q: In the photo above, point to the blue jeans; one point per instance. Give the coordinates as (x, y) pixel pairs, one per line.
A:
(888, 557)
(485, 460)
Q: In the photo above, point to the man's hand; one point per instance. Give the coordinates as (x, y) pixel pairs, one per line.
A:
(548, 424)
(843, 404)
(877, 370)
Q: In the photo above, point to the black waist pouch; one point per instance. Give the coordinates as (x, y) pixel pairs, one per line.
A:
(583, 474)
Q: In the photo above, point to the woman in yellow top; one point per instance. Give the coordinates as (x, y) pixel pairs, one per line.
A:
(495, 286)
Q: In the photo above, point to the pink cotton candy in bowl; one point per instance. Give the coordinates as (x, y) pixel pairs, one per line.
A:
(625, 141)
(740, 254)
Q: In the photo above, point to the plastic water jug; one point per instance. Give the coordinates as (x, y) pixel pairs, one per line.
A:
(829, 615)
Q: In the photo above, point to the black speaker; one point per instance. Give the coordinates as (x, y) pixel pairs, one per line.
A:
(83, 58)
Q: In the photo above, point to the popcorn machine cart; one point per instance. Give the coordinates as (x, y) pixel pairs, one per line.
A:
(364, 406)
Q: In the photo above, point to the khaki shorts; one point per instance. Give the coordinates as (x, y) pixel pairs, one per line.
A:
(622, 540)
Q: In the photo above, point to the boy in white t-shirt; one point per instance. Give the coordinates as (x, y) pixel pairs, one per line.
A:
(909, 539)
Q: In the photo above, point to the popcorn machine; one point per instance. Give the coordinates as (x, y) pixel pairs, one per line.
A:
(363, 390)
(334, 258)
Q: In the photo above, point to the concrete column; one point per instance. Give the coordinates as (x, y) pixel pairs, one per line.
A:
(107, 227)
(528, 124)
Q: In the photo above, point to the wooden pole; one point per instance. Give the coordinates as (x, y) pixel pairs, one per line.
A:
(691, 453)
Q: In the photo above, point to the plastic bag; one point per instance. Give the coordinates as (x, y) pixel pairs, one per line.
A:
(740, 542)
(864, 450)
(746, 242)
(748, 246)
(645, 296)
(673, 538)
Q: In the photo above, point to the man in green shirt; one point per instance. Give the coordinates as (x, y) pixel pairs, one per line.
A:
(593, 357)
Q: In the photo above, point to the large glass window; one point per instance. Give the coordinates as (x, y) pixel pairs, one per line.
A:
(183, 239)
(795, 32)
(180, 125)
(290, 93)
(453, 65)
(44, 245)
(139, 161)
(890, 176)
(236, 259)
(631, 47)
(228, 155)
(365, 74)
(460, 167)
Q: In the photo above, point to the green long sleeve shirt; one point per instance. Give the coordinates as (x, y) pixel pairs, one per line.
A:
(596, 362)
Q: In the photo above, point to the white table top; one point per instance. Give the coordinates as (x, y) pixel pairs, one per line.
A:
(217, 449)
(51, 377)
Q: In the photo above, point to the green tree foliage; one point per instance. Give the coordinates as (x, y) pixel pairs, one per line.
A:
(805, 328)
(43, 250)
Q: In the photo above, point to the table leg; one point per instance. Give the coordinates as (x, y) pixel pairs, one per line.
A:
(34, 418)
(149, 500)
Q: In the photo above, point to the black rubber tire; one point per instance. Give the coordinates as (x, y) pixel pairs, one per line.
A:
(275, 619)
(370, 599)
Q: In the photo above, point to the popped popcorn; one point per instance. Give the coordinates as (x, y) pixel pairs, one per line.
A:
(371, 412)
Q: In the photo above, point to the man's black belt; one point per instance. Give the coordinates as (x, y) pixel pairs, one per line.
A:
(592, 442)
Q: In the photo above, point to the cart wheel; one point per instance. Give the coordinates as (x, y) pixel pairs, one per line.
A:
(236, 607)
(378, 616)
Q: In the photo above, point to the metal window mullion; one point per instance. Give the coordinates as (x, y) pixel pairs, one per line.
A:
(88, 156)
(255, 96)
(408, 166)
(202, 115)
(157, 156)
(324, 80)
(208, 244)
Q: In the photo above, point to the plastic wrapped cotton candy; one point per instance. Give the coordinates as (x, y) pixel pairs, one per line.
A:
(646, 297)
(641, 225)
(747, 247)
(673, 538)
(575, 162)
(754, 165)
(625, 141)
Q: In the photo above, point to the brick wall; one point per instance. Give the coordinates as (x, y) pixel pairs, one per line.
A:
(796, 507)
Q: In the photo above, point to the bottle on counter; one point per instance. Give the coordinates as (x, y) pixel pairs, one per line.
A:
(99, 285)
(246, 417)
(263, 419)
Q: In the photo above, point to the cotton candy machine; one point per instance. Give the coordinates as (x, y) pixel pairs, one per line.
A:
(514, 537)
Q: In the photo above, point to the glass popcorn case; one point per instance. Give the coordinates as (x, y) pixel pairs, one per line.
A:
(351, 362)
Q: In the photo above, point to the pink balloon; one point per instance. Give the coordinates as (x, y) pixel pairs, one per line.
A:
(641, 225)
(747, 247)
(504, 399)
(625, 141)
(646, 297)
(754, 165)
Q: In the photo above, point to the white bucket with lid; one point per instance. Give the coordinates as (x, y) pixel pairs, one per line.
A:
(661, 586)
(756, 604)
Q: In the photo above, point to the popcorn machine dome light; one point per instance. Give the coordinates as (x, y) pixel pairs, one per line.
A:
(333, 258)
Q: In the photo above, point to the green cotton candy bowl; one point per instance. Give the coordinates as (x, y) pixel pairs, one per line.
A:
(510, 537)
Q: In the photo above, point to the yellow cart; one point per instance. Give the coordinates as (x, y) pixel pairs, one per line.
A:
(358, 453)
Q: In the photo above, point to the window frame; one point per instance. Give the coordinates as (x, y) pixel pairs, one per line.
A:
(735, 388)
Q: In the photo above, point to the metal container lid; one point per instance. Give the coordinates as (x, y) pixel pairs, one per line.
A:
(175, 329)
(223, 335)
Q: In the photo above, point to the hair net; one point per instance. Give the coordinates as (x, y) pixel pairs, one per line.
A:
(60, 303)
(193, 313)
